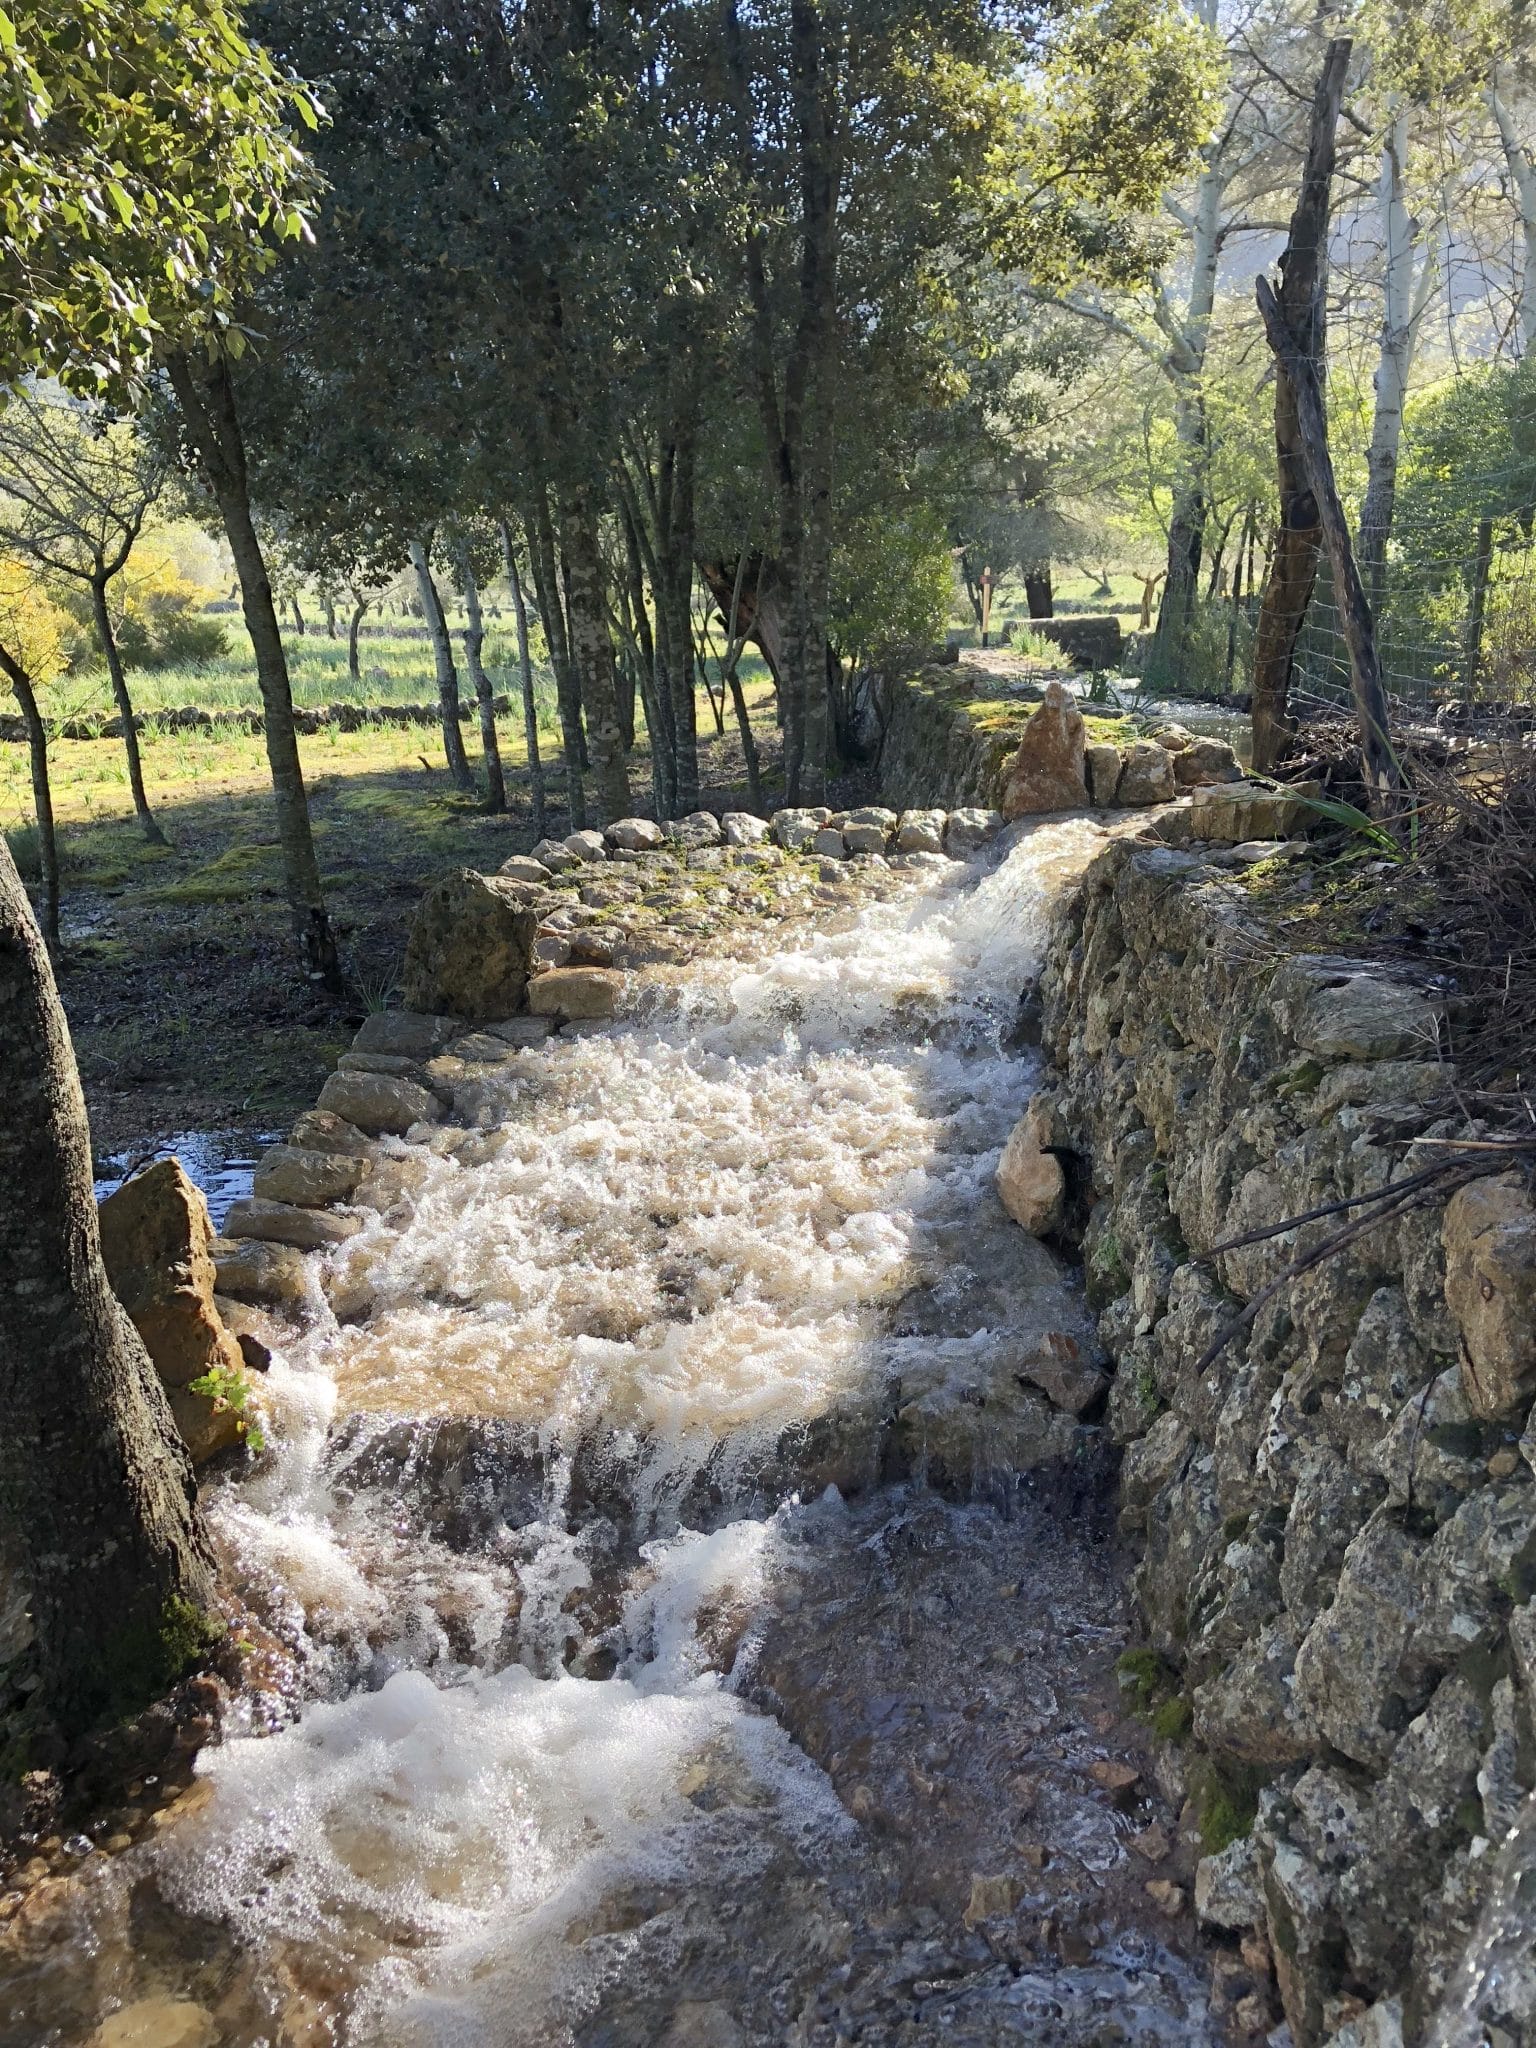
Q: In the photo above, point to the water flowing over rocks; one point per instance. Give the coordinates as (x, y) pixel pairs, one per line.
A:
(1337, 1514)
(685, 1513)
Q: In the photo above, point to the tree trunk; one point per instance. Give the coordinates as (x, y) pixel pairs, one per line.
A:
(96, 1494)
(525, 667)
(42, 793)
(1522, 177)
(592, 658)
(330, 618)
(546, 584)
(474, 645)
(1383, 775)
(207, 401)
(1189, 340)
(114, 660)
(447, 674)
(1477, 614)
(1302, 306)
(1402, 313)
(1038, 594)
(354, 665)
(298, 616)
(1244, 551)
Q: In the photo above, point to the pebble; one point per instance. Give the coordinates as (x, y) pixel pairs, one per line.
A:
(1167, 1896)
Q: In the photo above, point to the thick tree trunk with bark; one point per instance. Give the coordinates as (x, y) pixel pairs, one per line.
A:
(447, 674)
(525, 669)
(124, 702)
(42, 791)
(1038, 594)
(592, 658)
(354, 663)
(207, 400)
(474, 648)
(1383, 775)
(1302, 307)
(96, 1493)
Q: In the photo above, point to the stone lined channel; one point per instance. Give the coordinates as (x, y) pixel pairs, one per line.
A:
(704, 1618)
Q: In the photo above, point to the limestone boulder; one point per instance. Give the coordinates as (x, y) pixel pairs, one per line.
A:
(156, 1242)
(864, 838)
(1101, 763)
(1489, 1234)
(380, 1104)
(1232, 814)
(470, 947)
(522, 867)
(1205, 763)
(1227, 1886)
(1030, 1179)
(576, 992)
(1047, 773)
(634, 835)
(698, 829)
(1146, 775)
(270, 1275)
(969, 829)
(741, 828)
(795, 829)
(1363, 1017)
(405, 1034)
(586, 845)
(554, 856)
(310, 1180)
(321, 1130)
(829, 843)
(920, 832)
(281, 1223)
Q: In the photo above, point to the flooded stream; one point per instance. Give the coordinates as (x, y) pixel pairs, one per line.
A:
(677, 1643)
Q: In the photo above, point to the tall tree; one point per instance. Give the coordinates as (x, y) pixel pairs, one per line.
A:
(205, 396)
(74, 495)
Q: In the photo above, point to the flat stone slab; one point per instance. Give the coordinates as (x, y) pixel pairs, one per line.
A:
(282, 1223)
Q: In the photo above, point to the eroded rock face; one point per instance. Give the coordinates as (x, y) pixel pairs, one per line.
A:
(380, 1104)
(576, 992)
(1047, 773)
(1146, 774)
(470, 948)
(1335, 1500)
(156, 1241)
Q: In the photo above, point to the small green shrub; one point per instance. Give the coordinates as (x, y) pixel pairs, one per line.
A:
(26, 849)
(231, 1391)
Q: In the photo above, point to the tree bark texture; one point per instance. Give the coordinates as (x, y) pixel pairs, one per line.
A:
(474, 650)
(124, 702)
(1522, 176)
(1383, 774)
(1188, 338)
(42, 792)
(207, 401)
(447, 674)
(1038, 594)
(97, 1497)
(525, 668)
(1302, 306)
(1477, 611)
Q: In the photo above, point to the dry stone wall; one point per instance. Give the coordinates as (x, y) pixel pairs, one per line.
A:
(1336, 1513)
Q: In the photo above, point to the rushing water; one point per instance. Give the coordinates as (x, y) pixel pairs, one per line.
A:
(650, 1292)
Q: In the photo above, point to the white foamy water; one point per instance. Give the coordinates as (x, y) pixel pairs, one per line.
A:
(683, 1239)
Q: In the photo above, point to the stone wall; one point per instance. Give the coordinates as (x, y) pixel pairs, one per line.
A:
(1337, 1516)
(938, 745)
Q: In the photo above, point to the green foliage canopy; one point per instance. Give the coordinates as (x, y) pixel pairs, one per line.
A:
(146, 172)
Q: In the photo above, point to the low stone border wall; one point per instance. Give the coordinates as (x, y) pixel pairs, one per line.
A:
(247, 719)
(1337, 1509)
